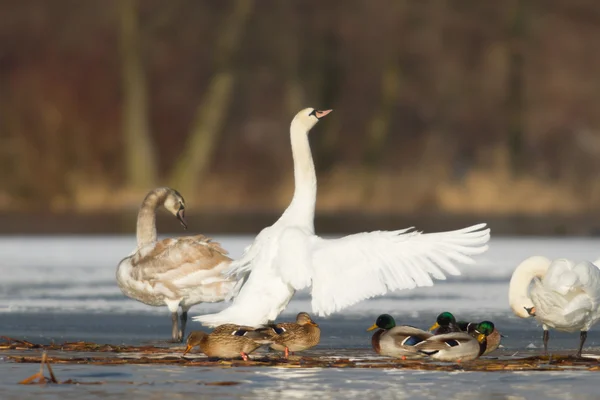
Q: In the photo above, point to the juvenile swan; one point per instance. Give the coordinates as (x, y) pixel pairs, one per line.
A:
(177, 272)
(288, 256)
(565, 295)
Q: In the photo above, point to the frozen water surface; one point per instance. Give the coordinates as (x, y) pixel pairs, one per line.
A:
(63, 289)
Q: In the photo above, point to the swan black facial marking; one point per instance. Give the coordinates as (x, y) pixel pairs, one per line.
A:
(313, 112)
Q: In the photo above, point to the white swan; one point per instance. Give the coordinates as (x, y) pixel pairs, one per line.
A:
(565, 295)
(288, 256)
(173, 272)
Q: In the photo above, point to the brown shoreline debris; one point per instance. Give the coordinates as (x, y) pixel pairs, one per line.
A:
(145, 355)
(39, 376)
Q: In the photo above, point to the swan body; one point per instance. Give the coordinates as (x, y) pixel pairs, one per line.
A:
(177, 272)
(564, 295)
(288, 256)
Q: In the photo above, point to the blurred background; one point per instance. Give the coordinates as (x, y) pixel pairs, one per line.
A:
(447, 112)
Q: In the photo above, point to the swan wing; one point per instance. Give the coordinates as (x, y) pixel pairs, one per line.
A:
(182, 263)
(357, 267)
(589, 277)
(242, 266)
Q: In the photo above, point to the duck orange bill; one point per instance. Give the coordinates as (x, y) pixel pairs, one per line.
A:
(480, 337)
(320, 114)
(434, 326)
(372, 327)
(187, 349)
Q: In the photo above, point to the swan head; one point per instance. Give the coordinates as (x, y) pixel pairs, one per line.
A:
(305, 319)
(175, 204)
(308, 118)
(518, 289)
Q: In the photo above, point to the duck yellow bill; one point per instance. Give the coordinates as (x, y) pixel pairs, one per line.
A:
(372, 327)
(480, 337)
(434, 326)
(187, 349)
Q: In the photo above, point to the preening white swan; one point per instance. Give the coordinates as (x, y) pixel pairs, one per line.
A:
(173, 272)
(288, 256)
(564, 296)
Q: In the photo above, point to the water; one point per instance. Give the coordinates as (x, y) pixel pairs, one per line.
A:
(56, 289)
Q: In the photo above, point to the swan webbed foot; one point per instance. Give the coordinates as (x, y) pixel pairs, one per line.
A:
(546, 338)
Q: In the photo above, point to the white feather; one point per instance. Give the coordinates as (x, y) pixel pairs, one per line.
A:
(288, 256)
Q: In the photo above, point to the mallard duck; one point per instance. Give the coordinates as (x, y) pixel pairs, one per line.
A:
(295, 336)
(472, 328)
(396, 341)
(456, 346)
(445, 323)
(228, 341)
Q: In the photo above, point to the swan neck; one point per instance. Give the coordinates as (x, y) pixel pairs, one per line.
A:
(305, 192)
(146, 222)
(518, 292)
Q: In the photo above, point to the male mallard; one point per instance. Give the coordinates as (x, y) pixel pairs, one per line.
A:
(457, 346)
(492, 340)
(295, 336)
(228, 341)
(396, 341)
(445, 323)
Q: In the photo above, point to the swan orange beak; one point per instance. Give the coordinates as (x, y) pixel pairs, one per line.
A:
(321, 114)
(373, 327)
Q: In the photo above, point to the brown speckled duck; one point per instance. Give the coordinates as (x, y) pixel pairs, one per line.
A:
(228, 341)
(295, 336)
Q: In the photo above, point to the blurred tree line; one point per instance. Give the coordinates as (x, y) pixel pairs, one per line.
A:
(456, 106)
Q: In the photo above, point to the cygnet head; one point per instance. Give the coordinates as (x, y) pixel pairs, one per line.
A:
(175, 204)
(308, 118)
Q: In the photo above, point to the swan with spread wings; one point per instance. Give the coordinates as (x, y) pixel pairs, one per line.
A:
(288, 256)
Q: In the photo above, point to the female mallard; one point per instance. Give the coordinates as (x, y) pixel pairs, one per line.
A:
(457, 346)
(492, 340)
(177, 272)
(228, 341)
(295, 336)
(445, 323)
(396, 341)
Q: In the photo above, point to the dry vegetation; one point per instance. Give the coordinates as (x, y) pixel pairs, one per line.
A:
(72, 353)
(450, 106)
